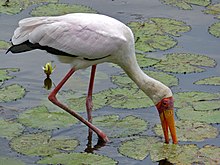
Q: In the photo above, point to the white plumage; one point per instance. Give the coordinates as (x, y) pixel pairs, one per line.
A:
(84, 35)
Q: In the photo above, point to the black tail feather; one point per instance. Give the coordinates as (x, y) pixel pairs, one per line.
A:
(23, 47)
(28, 46)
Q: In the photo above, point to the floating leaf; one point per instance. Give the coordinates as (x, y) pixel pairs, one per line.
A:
(189, 154)
(209, 81)
(191, 131)
(141, 147)
(60, 9)
(189, 99)
(10, 161)
(185, 63)
(189, 113)
(209, 155)
(79, 104)
(66, 97)
(186, 4)
(77, 159)
(10, 129)
(154, 34)
(4, 45)
(41, 144)
(206, 105)
(171, 26)
(137, 148)
(159, 26)
(154, 43)
(11, 93)
(16, 6)
(4, 73)
(175, 154)
(214, 29)
(213, 9)
(144, 61)
(198, 106)
(39, 117)
(115, 127)
(124, 81)
(126, 98)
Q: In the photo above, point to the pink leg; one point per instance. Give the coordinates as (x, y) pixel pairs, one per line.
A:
(89, 103)
(53, 99)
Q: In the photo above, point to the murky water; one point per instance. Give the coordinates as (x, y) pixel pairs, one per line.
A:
(31, 75)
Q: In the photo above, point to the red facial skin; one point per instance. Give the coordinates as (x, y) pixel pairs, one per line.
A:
(166, 111)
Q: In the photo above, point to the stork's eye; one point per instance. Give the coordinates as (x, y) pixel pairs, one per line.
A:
(165, 104)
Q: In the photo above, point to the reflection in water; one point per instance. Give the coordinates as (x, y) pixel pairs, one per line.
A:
(48, 83)
(6, 4)
(164, 162)
(89, 148)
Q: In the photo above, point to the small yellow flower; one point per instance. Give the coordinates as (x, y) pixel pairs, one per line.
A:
(48, 69)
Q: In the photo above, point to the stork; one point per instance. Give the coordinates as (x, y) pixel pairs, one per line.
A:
(85, 40)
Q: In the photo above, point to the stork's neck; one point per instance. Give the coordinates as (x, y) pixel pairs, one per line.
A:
(151, 87)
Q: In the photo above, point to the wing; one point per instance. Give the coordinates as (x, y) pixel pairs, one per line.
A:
(85, 38)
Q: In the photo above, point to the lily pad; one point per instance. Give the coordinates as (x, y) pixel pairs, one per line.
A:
(175, 154)
(209, 155)
(39, 117)
(171, 26)
(41, 144)
(154, 43)
(186, 4)
(191, 130)
(190, 99)
(124, 81)
(213, 9)
(115, 127)
(155, 34)
(10, 161)
(141, 147)
(214, 29)
(16, 6)
(4, 74)
(185, 63)
(79, 103)
(77, 159)
(206, 105)
(138, 148)
(60, 9)
(145, 61)
(4, 45)
(10, 129)
(198, 106)
(209, 81)
(11, 93)
(189, 154)
(188, 113)
(125, 98)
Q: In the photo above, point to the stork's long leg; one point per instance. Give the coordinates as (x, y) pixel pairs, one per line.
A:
(89, 104)
(53, 99)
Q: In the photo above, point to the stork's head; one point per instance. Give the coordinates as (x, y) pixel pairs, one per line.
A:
(166, 111)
